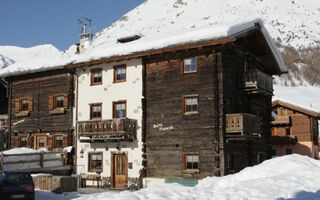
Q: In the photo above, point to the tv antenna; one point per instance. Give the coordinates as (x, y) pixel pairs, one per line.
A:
(86, 30)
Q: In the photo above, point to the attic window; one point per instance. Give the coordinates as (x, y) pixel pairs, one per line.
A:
(129, 38)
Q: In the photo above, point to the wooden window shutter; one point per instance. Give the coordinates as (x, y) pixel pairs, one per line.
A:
(17, 141)
(65, 141)
(65, 101)
(50, 142)
(17, 105)
(30, 105)
(51, 103)
(29, 141)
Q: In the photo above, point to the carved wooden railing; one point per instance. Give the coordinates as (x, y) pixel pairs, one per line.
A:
(281, 120)
(243, 124)
(256, 79)
(113, 129)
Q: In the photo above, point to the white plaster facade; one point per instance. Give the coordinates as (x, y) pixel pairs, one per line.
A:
(107, 93)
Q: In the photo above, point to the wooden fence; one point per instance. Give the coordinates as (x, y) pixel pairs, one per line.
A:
(58, 184)
(33, 162)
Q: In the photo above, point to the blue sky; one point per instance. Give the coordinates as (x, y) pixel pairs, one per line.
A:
(28, 23)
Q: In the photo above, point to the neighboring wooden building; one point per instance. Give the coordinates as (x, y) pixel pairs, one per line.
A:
(40, 110)
(295, 130)
(208, 107)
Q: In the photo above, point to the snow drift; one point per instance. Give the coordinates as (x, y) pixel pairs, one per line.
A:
(292, 177)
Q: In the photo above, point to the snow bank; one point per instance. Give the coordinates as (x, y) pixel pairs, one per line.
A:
(293, 177)
(20, 150)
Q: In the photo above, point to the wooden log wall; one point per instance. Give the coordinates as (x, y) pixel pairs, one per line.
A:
(302, 126)
(38, 88)
(237, 101)
(170, 133)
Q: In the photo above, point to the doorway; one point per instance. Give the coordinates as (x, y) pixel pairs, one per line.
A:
(119, 169)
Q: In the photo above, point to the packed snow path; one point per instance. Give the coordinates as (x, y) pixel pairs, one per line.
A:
(292, 177)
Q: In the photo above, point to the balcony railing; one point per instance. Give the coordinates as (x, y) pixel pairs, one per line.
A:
(281, 120)
(107, 130)
(242, 124)
(257, 81)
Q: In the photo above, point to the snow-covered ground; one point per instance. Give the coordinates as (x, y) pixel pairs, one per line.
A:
(292, 177)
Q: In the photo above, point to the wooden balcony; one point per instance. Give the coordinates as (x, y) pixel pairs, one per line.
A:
(281, 120)
(107, 130)
(256, 81)
(242, 124)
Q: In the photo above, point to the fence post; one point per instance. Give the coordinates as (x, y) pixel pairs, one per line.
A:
(41, 160)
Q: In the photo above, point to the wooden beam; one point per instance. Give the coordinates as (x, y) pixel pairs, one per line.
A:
(151, 52)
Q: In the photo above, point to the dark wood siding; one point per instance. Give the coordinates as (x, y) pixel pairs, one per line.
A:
(245, 153)
(169, 132)
(39, 119)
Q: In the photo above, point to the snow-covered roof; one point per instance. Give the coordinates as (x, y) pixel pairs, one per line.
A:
(307, 98)
(51, 59)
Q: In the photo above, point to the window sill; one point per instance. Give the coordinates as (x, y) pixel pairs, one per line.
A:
(191, 171)
(119, 81)
(94, 84)
(189, 72)
(96, 119)
(22, 114)
(191, 113)
(57, 111)
(95, 170)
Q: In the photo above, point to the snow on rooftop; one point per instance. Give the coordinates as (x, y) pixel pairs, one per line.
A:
(23, 150)
(110, 47)
(287, 177)
(305, 97)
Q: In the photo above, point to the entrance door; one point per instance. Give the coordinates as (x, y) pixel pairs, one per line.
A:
(120, 170)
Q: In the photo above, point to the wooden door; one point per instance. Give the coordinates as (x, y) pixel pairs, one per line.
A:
(120, 170)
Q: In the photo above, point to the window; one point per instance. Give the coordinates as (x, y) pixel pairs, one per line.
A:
(288, 132)
(23, 141)
(282, 112)
(58, 141)
(96, 77)
(96, 111)
(191, 161)
(95, 162)
(41, 142)
(59, 101)
(120, 73)
(273, 153)
(24, 104)
(190, 65)
(190, 104)
(119, 109)
(288, 151)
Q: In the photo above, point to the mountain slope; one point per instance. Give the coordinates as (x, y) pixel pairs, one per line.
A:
(292, 22)
(293, 25)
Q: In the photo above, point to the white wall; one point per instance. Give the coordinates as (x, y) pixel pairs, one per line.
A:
(131, 91)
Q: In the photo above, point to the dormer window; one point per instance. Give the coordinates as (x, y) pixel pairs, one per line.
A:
(96, 77)
(129, 38)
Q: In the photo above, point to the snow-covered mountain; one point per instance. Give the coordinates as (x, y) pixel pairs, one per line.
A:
(291, 23)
